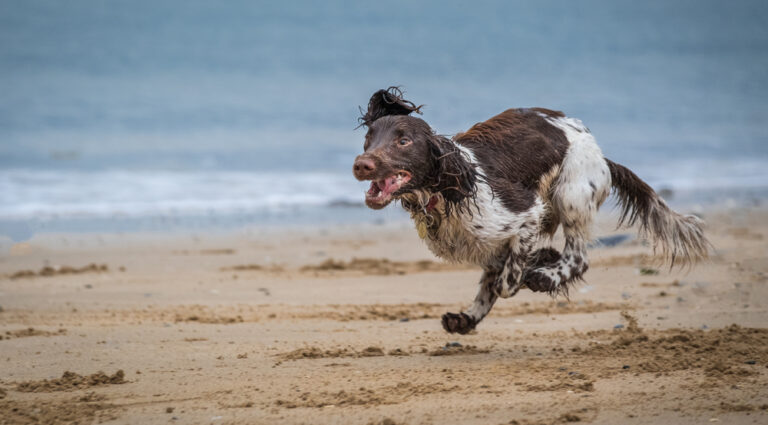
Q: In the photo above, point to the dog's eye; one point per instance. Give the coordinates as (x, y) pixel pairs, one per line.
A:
(403, 142)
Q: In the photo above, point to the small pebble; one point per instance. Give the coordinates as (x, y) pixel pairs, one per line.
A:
(405, 319)
(704, 327)
(572, 373)
(563, 368)
(626, 366)
(453, 344)
(750, 362)
(619, 326)
(626, 295)
(88, 286)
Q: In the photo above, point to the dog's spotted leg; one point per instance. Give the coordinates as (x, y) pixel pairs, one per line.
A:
(510, 278)
(551, 271)
(465, 321)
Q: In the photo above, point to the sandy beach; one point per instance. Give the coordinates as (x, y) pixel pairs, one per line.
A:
(341, 326)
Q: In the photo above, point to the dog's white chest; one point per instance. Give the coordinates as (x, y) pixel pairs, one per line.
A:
(479, 234)
(453, 241)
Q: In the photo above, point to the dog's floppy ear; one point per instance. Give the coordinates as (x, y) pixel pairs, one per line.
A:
(387, 102)
(453, 176)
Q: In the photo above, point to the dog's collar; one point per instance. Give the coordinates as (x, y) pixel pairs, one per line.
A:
(432, 203)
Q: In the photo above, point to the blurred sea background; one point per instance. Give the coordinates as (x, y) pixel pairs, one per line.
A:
(183, 114)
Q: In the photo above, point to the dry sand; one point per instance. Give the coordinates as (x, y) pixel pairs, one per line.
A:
(342, 326)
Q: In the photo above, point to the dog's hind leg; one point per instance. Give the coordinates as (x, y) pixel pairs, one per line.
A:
(465, 321)
(550, 271)
(582, 186)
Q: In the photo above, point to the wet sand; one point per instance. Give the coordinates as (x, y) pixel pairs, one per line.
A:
(341, 326)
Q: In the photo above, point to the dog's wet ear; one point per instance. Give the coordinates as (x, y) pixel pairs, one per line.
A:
(453, 175)
(387, 102)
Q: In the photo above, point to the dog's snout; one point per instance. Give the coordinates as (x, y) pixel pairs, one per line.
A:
(364, 164)
(364, 167)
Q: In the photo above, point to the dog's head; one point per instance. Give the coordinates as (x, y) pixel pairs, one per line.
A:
(403, 155)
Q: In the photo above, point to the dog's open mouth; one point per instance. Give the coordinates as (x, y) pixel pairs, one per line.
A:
(381, 191)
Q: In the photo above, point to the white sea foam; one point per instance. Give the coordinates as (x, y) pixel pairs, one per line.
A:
(27, 194)
(33, 194)
(704, 173)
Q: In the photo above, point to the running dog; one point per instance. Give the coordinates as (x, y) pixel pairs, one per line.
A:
(488, 195)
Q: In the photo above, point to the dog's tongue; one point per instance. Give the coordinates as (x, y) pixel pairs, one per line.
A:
(389, 185)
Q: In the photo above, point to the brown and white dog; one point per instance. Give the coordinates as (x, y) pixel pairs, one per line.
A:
(489, 195)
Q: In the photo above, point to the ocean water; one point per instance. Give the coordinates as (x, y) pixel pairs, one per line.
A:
(133, 115)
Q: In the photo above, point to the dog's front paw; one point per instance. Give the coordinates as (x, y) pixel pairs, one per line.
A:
(458, 323)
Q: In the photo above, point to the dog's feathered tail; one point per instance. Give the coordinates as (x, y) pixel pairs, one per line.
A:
(681, 237)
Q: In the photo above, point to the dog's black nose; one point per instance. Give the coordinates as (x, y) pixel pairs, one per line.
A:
(364, 167)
